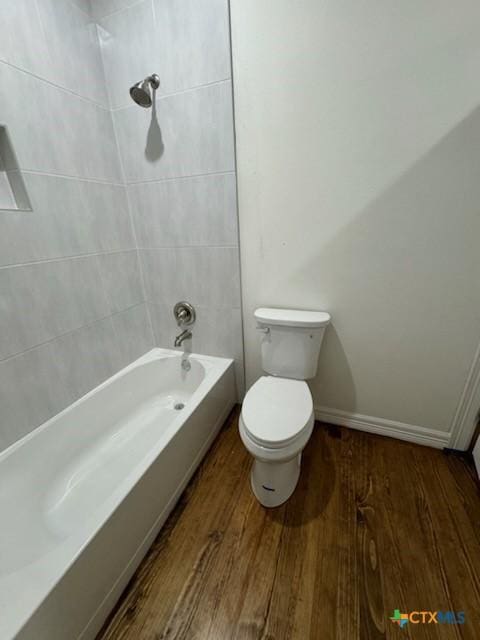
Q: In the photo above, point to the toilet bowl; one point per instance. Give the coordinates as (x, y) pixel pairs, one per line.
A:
(277, 415)
(276, 423)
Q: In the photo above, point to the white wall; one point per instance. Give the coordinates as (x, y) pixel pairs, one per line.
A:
(358, 149)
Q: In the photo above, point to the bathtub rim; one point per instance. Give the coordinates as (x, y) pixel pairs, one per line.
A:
(218, 366)
(157, 353)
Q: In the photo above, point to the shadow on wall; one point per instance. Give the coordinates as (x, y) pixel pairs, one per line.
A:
(401, 282)
(333, 352)
(155, 147)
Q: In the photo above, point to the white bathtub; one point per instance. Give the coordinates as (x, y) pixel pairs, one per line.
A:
(83, 496)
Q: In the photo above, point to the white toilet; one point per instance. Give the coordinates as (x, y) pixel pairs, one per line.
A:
(277, 414)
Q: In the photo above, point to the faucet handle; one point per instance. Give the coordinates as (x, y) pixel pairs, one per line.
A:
(184, 313)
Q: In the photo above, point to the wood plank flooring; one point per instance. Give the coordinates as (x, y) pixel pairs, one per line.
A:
(374, 525)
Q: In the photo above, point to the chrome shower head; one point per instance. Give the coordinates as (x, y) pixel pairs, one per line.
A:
(141, 92)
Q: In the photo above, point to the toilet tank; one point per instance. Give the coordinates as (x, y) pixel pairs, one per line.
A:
(291, 341)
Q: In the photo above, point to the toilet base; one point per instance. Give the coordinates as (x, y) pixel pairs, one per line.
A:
(274, 482)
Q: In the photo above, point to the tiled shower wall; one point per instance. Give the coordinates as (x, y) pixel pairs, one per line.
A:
(72, 310)
(178, 161)
(72, 301)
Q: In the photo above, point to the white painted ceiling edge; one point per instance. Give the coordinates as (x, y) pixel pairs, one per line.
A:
(357, 155)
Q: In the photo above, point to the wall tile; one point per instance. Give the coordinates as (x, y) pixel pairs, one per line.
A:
(101, 8)
(55, 131)
(127, 39)
(69, 217)
(84, 5)
(41, 382)
(186, 43)
(60, 311)
(87, 357)
(56, 41)
(32, 390)
(133, 333)
(75, 57)
(23, 41)
(44, 300)
(193, 44)
(201, 275)
(188, 133)
(122, 279)
(113, 226)
(191, 211)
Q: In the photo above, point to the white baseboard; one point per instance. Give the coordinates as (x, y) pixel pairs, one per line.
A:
(383, 427)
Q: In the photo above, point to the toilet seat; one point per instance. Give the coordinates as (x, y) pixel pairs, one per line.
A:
(277, 411)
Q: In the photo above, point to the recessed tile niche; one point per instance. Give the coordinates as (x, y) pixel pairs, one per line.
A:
(13, 194)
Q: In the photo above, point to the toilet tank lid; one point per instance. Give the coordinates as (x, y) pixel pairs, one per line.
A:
(292, 317)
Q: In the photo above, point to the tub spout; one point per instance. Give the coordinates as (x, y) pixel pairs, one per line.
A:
(185, 335)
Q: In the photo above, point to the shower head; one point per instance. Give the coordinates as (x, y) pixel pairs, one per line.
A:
(141, 92)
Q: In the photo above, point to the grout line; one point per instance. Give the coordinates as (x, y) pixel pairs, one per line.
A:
(198, 305)
(139, 261)
(55, 85)
(98, 40)
(69, 177)
(131, 214)
(114, 329)
(176, 93)
(176, 178)
(190, 246)
(77, 6)
(115, 11)
(77, 256)
(67, 333)
(237, 202)
(65, 176)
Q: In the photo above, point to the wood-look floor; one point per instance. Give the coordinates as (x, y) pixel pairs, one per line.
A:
(374, 525)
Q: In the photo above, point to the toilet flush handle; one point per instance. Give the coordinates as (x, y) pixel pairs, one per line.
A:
(263, 329)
